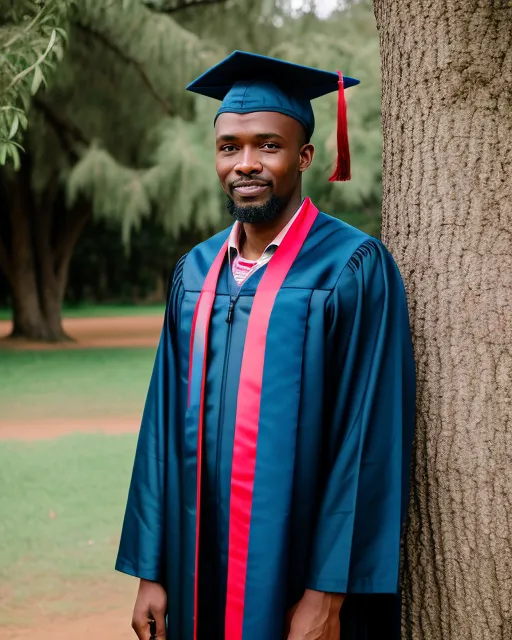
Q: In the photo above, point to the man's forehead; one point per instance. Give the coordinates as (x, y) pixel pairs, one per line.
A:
(257, 124)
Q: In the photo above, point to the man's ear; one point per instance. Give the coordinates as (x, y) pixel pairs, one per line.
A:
(307, 153)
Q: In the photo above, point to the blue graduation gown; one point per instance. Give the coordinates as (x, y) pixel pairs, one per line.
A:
(333, 447)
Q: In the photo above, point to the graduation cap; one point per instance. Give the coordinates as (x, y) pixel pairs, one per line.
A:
(248, 82)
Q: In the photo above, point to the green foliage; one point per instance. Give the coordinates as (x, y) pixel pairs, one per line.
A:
(117, 126)
(182, 183)
(115, 192)
(32, 39)
(238, 24)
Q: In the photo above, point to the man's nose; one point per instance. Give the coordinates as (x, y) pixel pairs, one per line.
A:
(249, 162)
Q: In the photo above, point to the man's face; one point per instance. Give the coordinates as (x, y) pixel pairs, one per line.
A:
(259, 159)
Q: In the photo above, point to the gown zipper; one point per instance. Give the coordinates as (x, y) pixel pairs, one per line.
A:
(227, 350)
(231, 308)
(229, 320)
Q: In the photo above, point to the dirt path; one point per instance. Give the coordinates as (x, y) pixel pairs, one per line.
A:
(103, 613)
(112, 625)
(117, 331)
(54, 428)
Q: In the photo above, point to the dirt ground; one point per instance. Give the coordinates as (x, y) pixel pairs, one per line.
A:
(112, 619)
(112, 625)
(54, 428)
(128, 331)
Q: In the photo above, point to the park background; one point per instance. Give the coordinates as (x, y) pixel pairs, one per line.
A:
(118, 167)
(107, 177)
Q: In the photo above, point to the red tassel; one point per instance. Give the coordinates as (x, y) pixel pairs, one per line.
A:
(342, 170)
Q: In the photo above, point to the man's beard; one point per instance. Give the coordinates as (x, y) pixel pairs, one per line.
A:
(257, 214)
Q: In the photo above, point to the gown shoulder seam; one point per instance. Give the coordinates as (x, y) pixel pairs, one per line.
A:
(175, 274)
(367, 246)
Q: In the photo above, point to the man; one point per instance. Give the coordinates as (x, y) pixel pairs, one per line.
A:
(270, 480)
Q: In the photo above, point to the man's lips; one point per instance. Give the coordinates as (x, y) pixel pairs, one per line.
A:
(251, 188)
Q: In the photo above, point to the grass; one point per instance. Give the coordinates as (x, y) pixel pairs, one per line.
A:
(62, 500)
(74, 383)
(99, 311)
(61, 507)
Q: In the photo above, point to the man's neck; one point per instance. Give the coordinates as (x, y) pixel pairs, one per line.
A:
(257, 237)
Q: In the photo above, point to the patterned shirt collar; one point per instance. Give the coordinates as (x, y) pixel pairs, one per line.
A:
(238, 229)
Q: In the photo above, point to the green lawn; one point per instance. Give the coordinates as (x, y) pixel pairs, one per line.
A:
(61, 508)
(74, 383)
(62, 500)
(90, 311)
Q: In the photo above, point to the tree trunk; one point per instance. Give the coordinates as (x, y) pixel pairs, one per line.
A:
(28, 320)
(41, 243)
(447, 122)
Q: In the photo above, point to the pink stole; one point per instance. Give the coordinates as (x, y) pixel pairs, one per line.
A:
(248, 406)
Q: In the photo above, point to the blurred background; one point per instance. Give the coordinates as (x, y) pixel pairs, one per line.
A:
(106, 178)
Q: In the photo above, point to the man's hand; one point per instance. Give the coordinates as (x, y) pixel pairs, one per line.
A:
(151, 604)
(316, 616)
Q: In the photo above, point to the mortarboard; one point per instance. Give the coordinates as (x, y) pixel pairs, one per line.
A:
(248, 82)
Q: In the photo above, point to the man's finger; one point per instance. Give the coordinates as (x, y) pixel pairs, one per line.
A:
(158, 626)
(141, 628)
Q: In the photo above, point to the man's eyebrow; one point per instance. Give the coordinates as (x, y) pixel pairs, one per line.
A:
(266, 136)
(227, 137)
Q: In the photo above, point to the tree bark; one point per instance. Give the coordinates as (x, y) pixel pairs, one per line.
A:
(28, 320)
(447, 189)
(42, 239)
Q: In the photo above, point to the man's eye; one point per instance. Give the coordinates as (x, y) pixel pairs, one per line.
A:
(270, 145)
(228, 148)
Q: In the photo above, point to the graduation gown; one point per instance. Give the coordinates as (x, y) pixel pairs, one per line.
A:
(275, 443)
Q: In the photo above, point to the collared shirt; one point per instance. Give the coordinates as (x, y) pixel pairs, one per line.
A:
(240, 266)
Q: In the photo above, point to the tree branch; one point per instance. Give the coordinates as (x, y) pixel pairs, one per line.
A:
(184, 5)
(71, 226)
(62, 125)
(131, 61)
(77, 218)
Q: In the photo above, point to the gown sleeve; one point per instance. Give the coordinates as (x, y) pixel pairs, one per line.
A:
(141, 549)
(368, 429)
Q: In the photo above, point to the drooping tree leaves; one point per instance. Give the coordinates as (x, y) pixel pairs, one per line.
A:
(32, 39)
